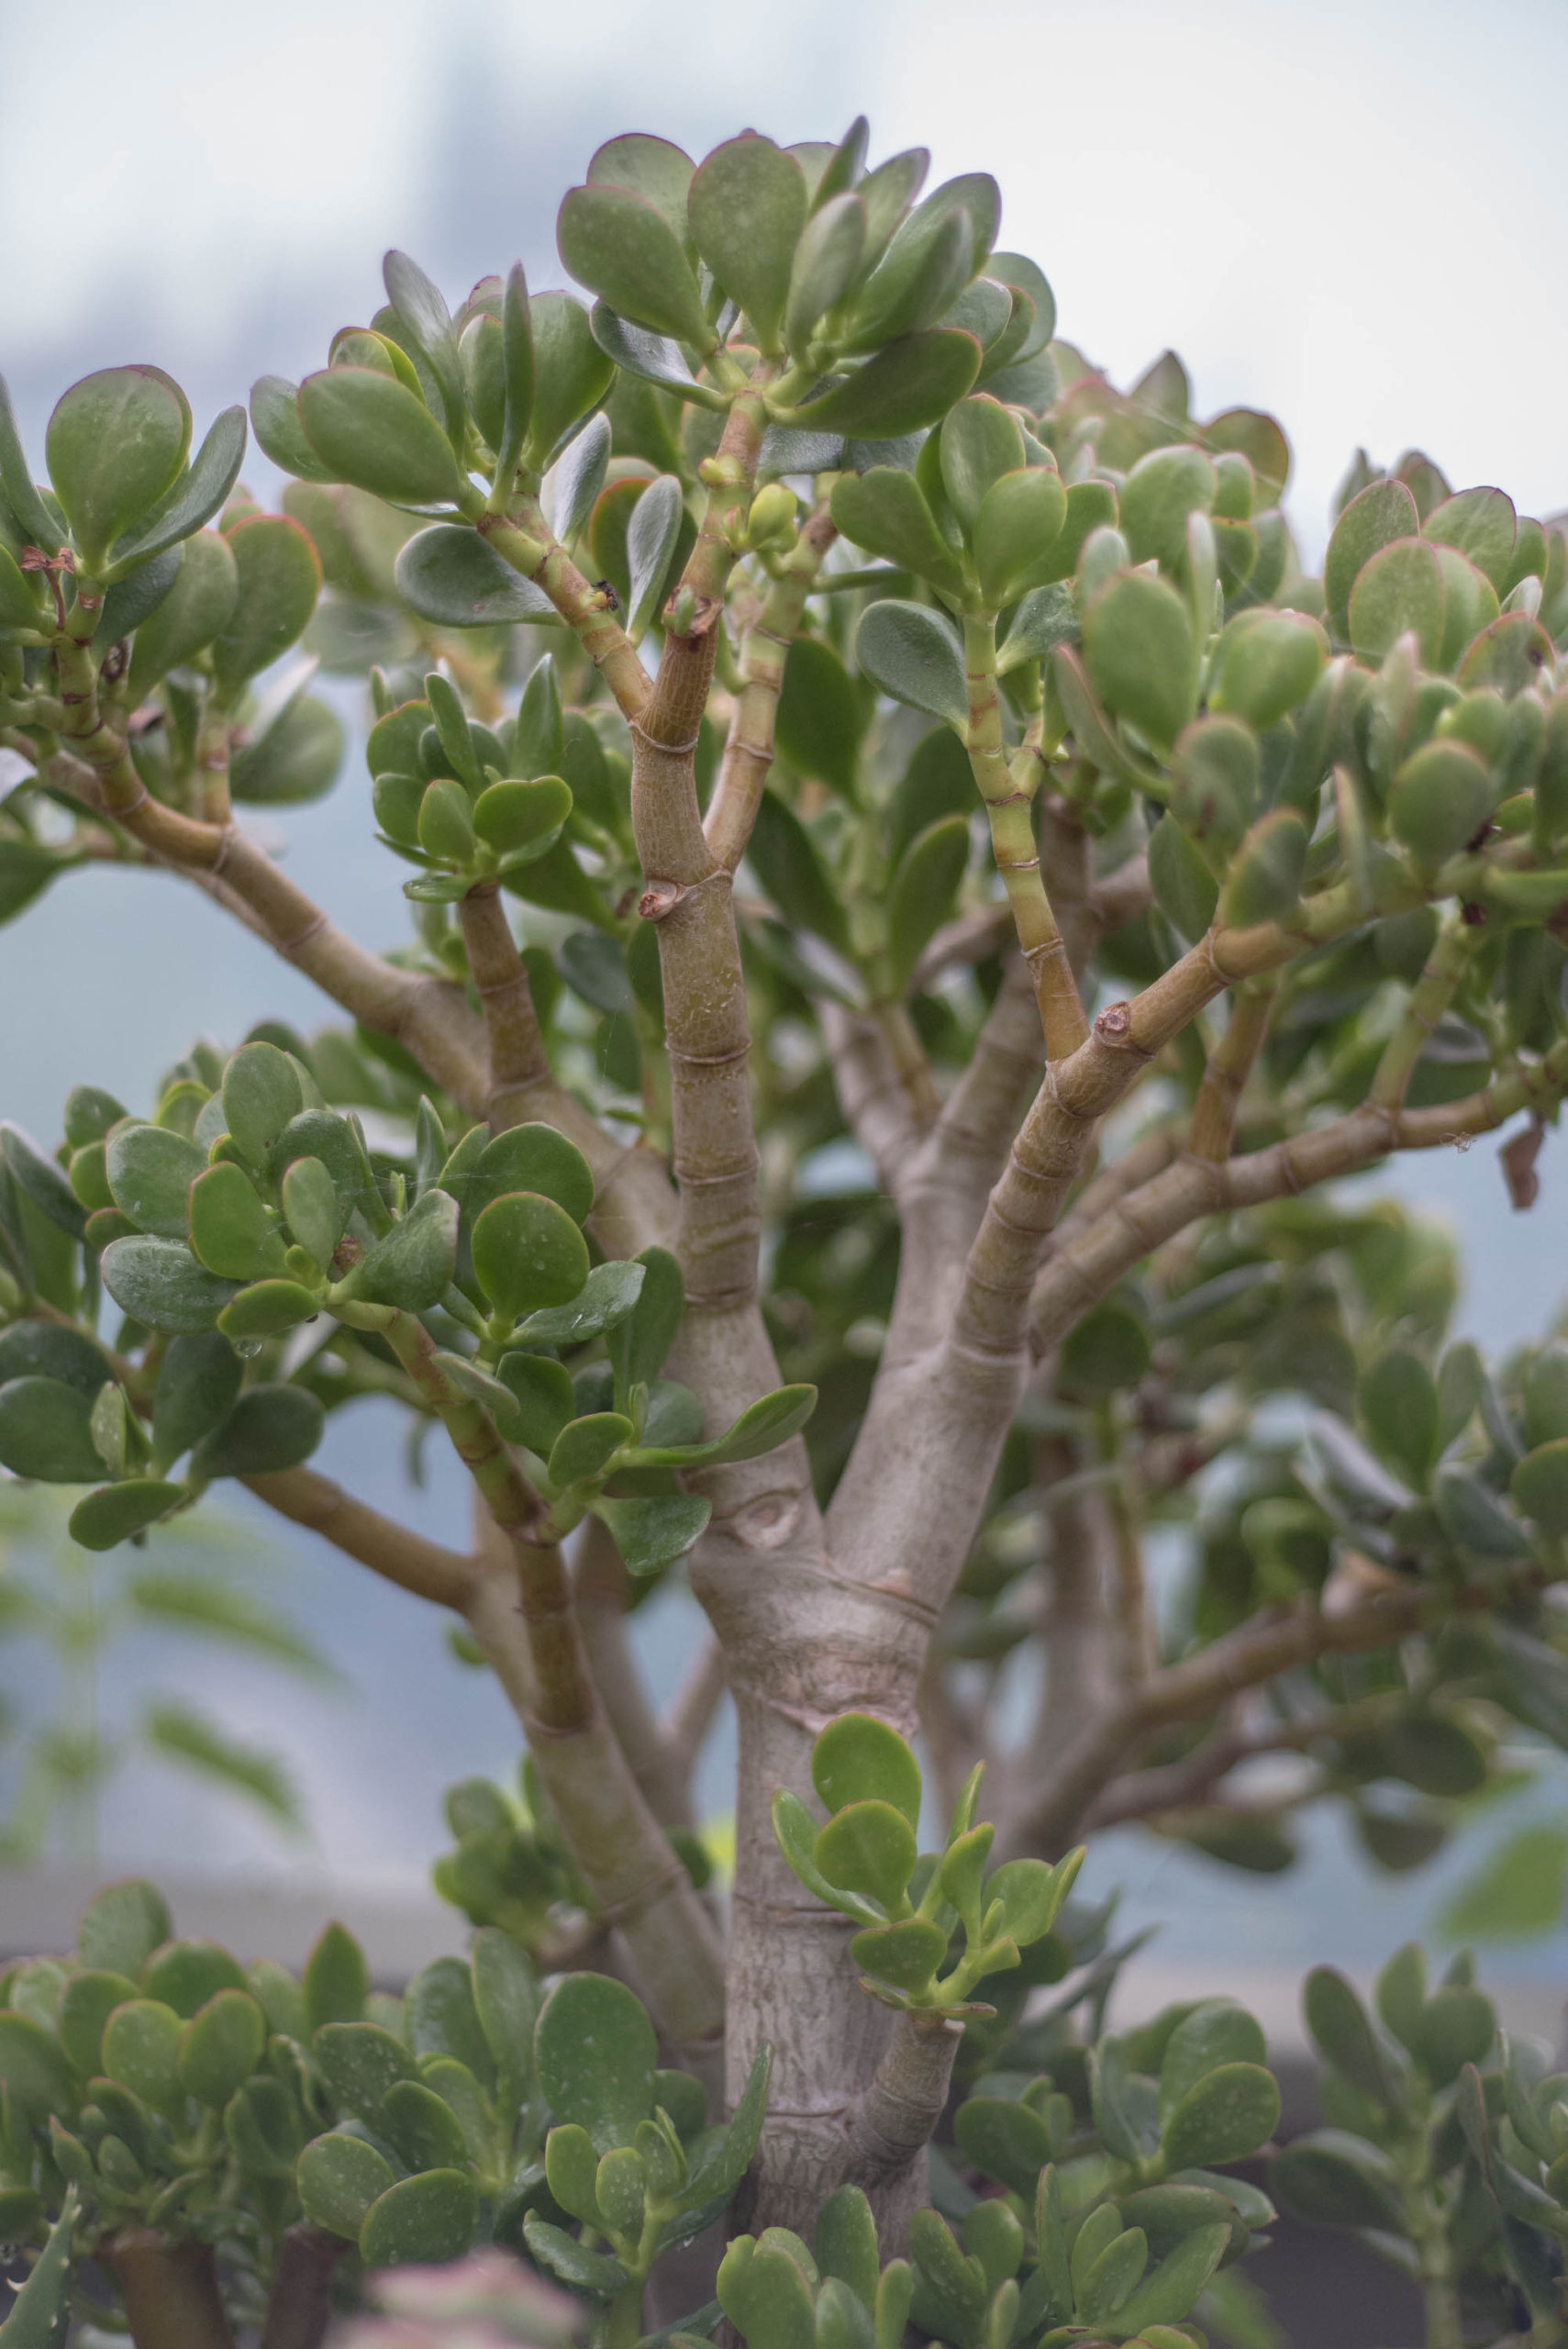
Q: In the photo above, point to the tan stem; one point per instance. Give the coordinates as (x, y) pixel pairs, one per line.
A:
(169, 2289)
(1229, 1066)
(602, 1589)
(749, 752)
(444, 1576)
(1257, 1651)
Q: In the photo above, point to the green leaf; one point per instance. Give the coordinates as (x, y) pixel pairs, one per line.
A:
(868, 1847)
(180, 1734)
(1520, 1890)
(595, 2051)
(39, 2314)
(1216, 2033)
(1224, 2117)
(338, 2177)
(820, 718)
(858, 1758)
(261, 1094)
(316, 1215)
(1156, 499)
(1332, 2179)
(586, 2271)
(1109, 2278)
(580, 475)
(639, 1345)
(1455, 2027)
(361, 2061)
(336, 1984)
(514, 817)
(766, 2296)
(1472, 1518)
(1341, 2030)
(423, 2127)
(198, 496)
(370, 430)
(653, 358)
(761, 1426)
(271, 1427)
(279, 435)
(506, 2000)
(1481, 524)
(1169, 2294)
(1010, 2141)
(529, 1253)
(1139, 650)
(543, 1399)
(278, 581)
(530, 1158)
(913, 653)
(1400, 589)
(571, 2169)
(1267, 870)
(266, 1308)
(1016, 533)
(185, 1973)
(33, 2069)
(621, 246)
(605, 1298)
(651, 538)
(197, 608)
(121, 1926)
(1399, 1403)
(295, 760)
(412, 1268)
(150, 1171)
(41, 1180)
(1214, 782)
(115, 446)
(451, 575)
(46, 1433)
(221, 2046)
(845, 2243)
(652, 1534)
(426, 322)
(908, 1955)
(980, 442)
(885, 510)
(1030, 1893)
(747, 207)
(728, 2155)
(52, 1350)
(520, 371)
(422, 2219)
(1265, 665)
(115, 1512)
(1439, 798)
(585, 1447)
(922, 893)
(86, 2002)
(142, 2050)
(1539, 1485)
(827, 259)
(910, 382)
(231, 1232)
(572, 374)
(787, 861)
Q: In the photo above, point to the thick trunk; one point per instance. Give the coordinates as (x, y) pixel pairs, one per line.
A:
(805, 1644)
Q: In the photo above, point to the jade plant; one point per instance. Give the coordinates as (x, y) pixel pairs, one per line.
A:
(228, 2145)
(1443, 2152)
(916, 894)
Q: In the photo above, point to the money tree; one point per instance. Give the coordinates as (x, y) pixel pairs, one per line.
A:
(913, 894)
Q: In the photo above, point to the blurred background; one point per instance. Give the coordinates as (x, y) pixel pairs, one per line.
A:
(1349, 212)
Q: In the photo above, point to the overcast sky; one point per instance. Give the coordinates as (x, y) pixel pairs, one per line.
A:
(1351, 211)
